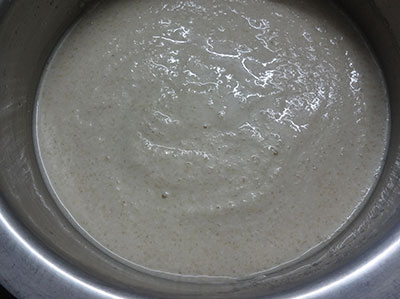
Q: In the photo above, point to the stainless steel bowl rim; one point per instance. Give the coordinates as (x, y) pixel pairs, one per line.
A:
(29, 269)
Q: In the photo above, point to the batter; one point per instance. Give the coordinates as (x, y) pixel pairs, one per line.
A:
(217, 138)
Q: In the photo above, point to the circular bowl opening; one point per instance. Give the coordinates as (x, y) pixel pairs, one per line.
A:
(28, 34)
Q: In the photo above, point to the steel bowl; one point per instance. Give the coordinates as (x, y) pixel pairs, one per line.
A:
(43, 256)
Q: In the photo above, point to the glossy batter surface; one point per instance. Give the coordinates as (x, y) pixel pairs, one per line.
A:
(216, 138)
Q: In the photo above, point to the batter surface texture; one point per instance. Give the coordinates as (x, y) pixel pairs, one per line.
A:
(217, 138)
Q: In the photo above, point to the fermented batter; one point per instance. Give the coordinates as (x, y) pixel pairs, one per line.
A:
(216, 138)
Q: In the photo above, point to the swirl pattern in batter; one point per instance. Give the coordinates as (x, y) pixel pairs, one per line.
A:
(216, 138)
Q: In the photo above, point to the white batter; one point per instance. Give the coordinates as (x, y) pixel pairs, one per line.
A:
(216, 138)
